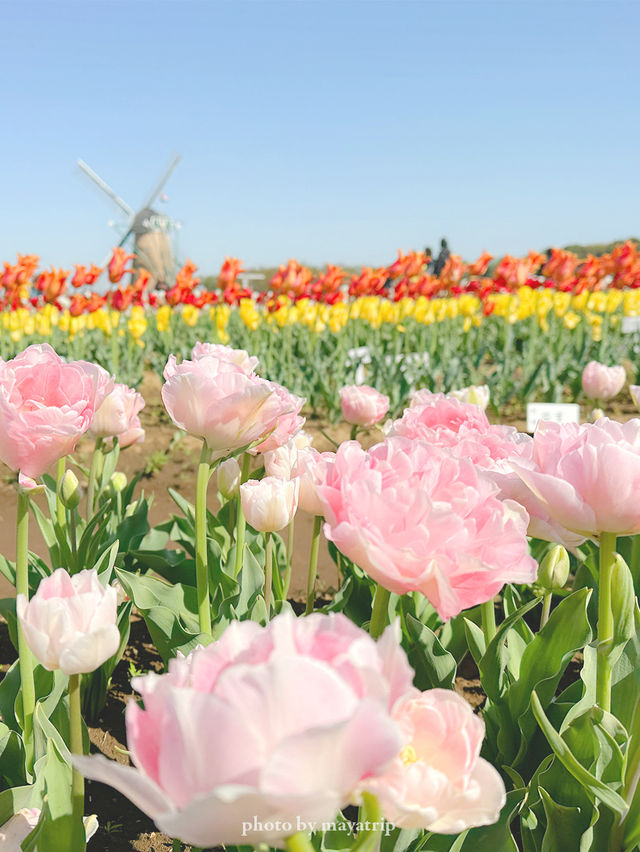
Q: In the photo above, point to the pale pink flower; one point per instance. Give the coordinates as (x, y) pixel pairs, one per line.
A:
(311, 470)
(22, 823)
(602, 382)
(587, 476)
(240, 357)
(70, 622)
(45, 406)
(117, 417)
(363, 405)
(464, 430)
(215, 400)
(133, 435)
(282, 461)
(439, 781)
(269, 504)
(416, 518)
(288, 422)
(18, 828)
(267, 724)
(103, 381)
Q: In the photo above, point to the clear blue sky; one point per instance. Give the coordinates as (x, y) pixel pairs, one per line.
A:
(328, 131)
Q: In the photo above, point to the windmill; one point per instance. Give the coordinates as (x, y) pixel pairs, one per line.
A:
(150, 229)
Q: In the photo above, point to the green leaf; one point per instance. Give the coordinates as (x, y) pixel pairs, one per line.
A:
(564, 824)
(545, 660)
(594, 787)
(58, 832)
(170, 612)
(434, 667)
(494, 661)
(12, 758)
(475, 640)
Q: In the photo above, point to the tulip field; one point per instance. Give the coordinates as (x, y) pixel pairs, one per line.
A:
(470, 678)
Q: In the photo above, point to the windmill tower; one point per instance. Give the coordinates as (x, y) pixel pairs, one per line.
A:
(150, 229)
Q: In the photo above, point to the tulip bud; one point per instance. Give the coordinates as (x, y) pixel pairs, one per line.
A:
(119, 481)
(269, 504)
(84, 613)
(229, 478)
(69, 490)
(623, 602)
(363, 405)
(553, 571)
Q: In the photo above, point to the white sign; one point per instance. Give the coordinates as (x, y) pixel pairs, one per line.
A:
(557, 412)
(630, 325)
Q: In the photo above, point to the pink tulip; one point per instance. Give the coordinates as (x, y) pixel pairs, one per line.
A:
(587, 476)
(282, 461)
(416, 518)
(117, 417)
(311, 470)
(217, 401)
(263, 727)
(288, 423)
(601, 382)
(269, 504)
(22, 823)
(443, 419)
(70, 622)
(439, 781)
(464, 430)
(18, 828)
(45, 406)
(133, 435)
(103, 381)
(240, 357)
(363, 405)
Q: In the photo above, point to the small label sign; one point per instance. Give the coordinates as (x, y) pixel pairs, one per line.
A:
(630, 325)
(558, 412)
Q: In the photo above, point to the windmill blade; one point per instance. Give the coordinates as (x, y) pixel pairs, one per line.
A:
(106, 188)
(161, 183)
(125, 238)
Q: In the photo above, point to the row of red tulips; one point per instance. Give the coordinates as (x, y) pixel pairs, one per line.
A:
(411, 275)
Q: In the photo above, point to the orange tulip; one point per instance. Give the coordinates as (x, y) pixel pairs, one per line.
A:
(117, 264)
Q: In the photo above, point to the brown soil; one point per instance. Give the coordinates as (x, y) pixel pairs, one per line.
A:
(122, 826)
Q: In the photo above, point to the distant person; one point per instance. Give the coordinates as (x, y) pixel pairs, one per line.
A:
(442, 258)
(430, 261)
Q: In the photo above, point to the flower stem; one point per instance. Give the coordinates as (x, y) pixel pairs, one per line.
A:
(605, 621)
(546, 609)
(77, 781)
(488, 614)
(268, 572)
(379, 611)
(241, 523)
(287, 574)
(354, 433)
(26, 661)
(96, 459)
(313, 564)
(202, 563)
(61, 515)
